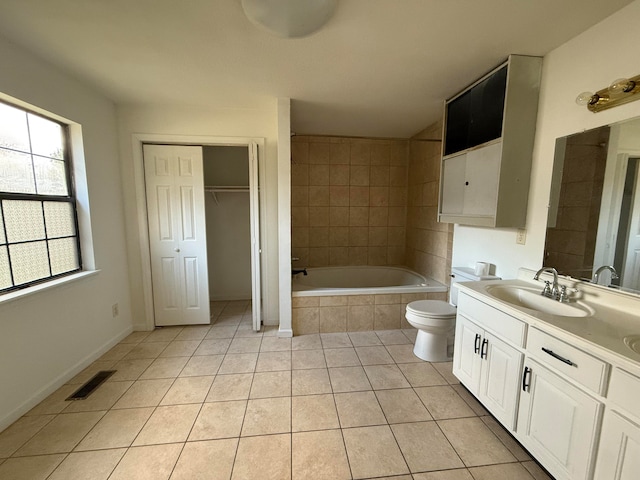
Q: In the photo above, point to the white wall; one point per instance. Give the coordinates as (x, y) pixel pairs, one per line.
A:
(47, 337)
(194, 122)
(588, 62)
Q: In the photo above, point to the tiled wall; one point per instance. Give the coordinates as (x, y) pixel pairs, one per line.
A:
(429, 243)
(348, 201)
(354, 313)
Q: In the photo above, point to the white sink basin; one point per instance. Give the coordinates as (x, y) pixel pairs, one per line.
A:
(530, 298)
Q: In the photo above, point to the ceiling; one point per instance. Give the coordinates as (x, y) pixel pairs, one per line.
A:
(378, 68)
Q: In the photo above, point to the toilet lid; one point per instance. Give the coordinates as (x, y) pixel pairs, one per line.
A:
(432, 308)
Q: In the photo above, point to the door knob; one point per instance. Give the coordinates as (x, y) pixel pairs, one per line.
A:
(177, 250)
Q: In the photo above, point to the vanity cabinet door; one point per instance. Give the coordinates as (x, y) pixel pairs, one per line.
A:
(500, 379)
(557, 423)
(466, 353)
(619, 453)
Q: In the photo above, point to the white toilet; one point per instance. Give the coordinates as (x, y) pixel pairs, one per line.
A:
(436, 319)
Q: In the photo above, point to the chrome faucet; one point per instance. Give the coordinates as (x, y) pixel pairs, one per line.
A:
(551, 291)
(614, 274)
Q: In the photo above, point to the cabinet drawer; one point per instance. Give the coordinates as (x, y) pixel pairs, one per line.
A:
(624, 391)
(589, 371)
(503, 325)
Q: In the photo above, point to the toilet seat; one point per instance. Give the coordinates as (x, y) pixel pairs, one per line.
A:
(431, 309)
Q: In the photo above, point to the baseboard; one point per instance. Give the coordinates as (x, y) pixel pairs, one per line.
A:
(285, 333)
(60, 380)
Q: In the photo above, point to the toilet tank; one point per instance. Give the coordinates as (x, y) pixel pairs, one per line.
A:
(464, 274)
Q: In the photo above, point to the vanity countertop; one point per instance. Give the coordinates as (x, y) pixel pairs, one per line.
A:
(614, 315)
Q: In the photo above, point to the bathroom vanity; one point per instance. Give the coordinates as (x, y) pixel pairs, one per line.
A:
(562, 377)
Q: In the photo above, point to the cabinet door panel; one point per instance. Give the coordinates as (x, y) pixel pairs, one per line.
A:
(467, 363)
(482, 173)
(500, 380)
(557, 422)
(453, 178)
(619, 453)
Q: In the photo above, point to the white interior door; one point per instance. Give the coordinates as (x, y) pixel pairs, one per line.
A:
(177, 240)
(631, 270)
(254, 194)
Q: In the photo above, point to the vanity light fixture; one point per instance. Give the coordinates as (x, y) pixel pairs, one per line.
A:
(621, 91)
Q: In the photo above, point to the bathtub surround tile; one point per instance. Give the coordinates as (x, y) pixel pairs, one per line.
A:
(386, 317)
(319, 455)
(360, 318)
(373, 452)
(305, 320)
(333, 319)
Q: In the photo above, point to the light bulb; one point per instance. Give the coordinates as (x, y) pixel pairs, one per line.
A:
(585, 98)
(622, 85)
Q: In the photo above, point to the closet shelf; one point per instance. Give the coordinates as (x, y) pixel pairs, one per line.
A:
(214, 189)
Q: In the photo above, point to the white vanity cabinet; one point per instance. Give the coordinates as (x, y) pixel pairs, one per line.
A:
(486, 364)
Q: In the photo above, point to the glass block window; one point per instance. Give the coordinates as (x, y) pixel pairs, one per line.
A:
(38, 223)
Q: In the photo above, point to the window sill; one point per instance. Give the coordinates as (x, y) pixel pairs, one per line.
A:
(18, 294)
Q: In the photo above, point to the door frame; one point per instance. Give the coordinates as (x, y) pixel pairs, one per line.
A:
(138, 139)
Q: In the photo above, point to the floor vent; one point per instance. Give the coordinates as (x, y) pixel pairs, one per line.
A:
(88, 388)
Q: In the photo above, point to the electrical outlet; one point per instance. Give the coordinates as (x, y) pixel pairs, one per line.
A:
(521, 236)
(115, 310)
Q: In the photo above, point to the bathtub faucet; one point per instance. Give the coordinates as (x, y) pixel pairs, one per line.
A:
(296, 271)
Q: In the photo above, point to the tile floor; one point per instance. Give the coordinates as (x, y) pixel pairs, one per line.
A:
(223, 402)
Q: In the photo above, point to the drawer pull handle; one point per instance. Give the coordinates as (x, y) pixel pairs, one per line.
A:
(526, 386)
(485, 348)
(558, 357)
(476, 344)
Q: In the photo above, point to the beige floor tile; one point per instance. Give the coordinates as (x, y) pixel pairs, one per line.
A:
(163, 334)
(194, 332)
(392, 337)
(446, 370)
(228, 321)
(384, 377)
(512, 445)
(219, 420)
(55, 402)
(401, 406)
(341, 357)
(470, 400)
(165, 368)
(319, 455)
(96, 465)
(244, 345)
(135, 337)
(509, 471)
(313, 412)
(87, 374)
(411, 334)
(183, 348)
(252, 451)
(266, 416)
(17, 434)
(536, 471)
(168, 425)
(306, 342)
(363, 339)
(403, 354)
(422, 374)
(424, 447)
(208, 460)
(245, 329)
(221, 332)
(103, 398)
(359, 409)
(302, 359)
(204, 365)
(275, 344)
(374, 355)
(118, 428)
(373, 452)
(153, 462)
(271, 384)
(349, 379)
(310, 382)
(230, 387)
(129, 369)
(273, 361)
(443, 402)
(30, 468)
(147, 350)
(474, 442)
(335, 340)
(144, 393)
(61, 434)
(238, 363)
(117, 352)
(457, 474)
(188, 390)
(214, 346)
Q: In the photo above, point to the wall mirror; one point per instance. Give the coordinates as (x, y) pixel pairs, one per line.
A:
(594, 208)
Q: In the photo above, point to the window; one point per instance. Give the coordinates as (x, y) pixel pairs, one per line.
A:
(38, 224)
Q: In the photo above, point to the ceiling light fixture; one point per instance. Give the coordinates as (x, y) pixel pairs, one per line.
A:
(289, 18)
(621, 91)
